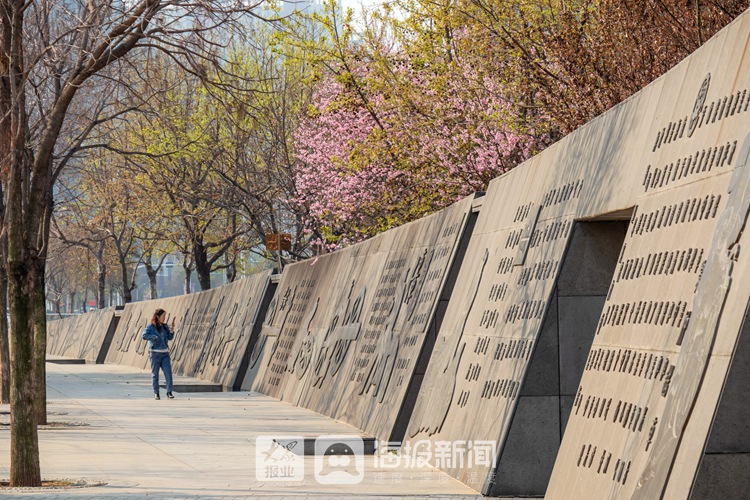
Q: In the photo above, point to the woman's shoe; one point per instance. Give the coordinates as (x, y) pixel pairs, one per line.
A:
(156, 396)
(170, 396)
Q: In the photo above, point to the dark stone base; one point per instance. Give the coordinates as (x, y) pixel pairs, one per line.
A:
(197, 387)
(67, 361)
(309, 445)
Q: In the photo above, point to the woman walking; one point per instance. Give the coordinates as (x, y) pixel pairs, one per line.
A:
(158, 334)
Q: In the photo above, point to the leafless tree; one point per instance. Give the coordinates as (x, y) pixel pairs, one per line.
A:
(51, 53)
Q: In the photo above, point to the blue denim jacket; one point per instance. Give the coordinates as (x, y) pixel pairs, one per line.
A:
(157, 338)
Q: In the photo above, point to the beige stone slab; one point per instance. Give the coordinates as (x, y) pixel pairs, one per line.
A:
(296, 304)
(717, 282)
(83, 336)
(482, 351)
(636, 460)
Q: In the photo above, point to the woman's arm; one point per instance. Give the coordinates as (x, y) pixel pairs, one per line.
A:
(149, 333)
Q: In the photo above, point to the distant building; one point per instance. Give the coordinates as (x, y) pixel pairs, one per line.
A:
(285, 8)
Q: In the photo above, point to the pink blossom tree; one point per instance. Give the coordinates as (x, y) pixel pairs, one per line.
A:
(422, 137)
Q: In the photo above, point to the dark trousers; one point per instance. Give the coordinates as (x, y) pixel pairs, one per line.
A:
(161, 360)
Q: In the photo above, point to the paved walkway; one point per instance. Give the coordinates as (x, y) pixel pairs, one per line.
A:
(106, 427)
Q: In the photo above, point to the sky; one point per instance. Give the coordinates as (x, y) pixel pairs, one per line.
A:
(357, 4)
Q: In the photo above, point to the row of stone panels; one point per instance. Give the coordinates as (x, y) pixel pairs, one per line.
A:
(349, 334)
(214, 330)
(575, 339)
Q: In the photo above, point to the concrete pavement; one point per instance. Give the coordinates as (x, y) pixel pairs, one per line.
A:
(106, 427)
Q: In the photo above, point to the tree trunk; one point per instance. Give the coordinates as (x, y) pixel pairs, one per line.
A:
(20, 220)
(231, 269)
(231, 273)
(71, 302)
(127, 297)
(151, 272)
(40, 315)
(40, 344)
(101, 277)
(202, 267)
(8, 128)
(24, 443)
(4, 341)
(187, 266)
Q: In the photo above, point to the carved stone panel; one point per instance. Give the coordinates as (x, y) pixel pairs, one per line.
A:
(474, 380)
(213, 330)
(85, 336)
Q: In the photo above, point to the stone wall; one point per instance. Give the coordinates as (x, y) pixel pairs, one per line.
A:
(214, 330)
(349, 334)
(672, 158)
(86, 336)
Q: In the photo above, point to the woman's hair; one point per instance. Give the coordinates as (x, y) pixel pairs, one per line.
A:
(155, 319)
